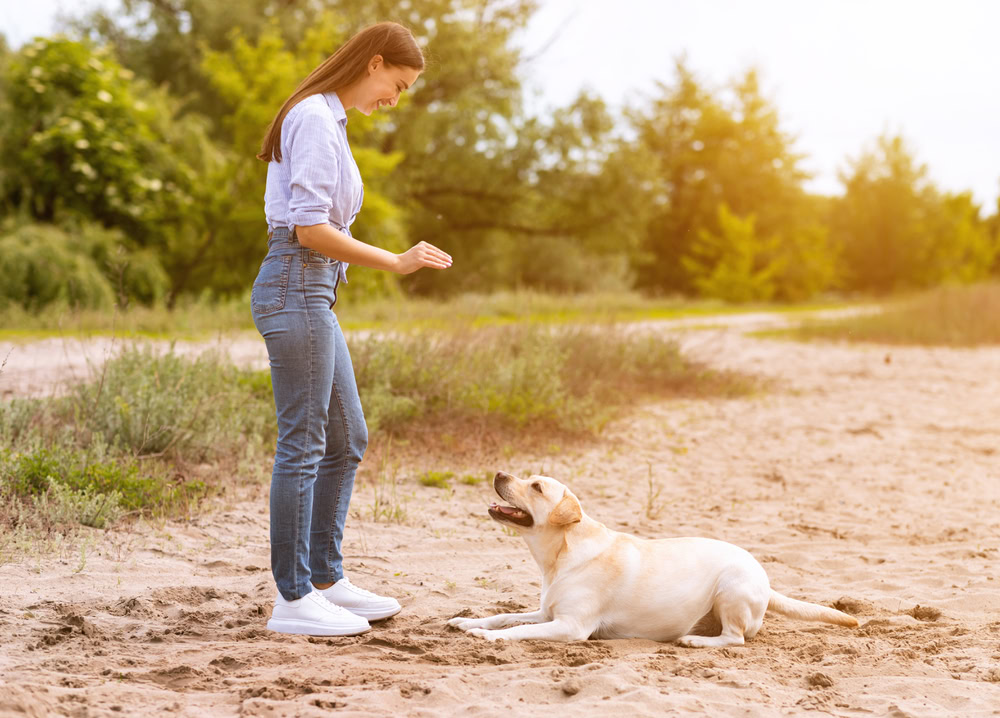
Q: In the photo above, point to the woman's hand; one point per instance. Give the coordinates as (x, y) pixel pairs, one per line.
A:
(421, 255)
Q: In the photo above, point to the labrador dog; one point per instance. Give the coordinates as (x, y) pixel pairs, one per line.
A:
(599, 583)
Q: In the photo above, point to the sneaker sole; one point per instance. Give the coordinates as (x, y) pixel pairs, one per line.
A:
(373, 615)
(312, 628)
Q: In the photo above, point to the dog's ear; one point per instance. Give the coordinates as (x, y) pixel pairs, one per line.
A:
(567, 511)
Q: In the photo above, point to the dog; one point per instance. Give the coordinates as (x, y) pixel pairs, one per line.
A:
(599, 583)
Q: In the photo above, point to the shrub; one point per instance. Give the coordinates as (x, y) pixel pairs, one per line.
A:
(40, 266)
(563, 378)
(147, 404)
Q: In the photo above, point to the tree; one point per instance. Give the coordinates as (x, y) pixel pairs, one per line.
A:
(89, 143)
(993, 229)
(896, 230)
(735, 265)
(714, 148)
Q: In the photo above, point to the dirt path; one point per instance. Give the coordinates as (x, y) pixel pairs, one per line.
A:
(868, 477)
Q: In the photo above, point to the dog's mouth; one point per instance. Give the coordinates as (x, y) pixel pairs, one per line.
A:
(511, 514)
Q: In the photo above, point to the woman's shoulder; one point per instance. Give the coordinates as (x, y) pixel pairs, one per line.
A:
(311, 106)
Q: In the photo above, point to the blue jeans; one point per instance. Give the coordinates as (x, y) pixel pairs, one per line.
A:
(322, 433)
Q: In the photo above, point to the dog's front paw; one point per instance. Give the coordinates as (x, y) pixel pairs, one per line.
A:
(461, 622)
(484, 633)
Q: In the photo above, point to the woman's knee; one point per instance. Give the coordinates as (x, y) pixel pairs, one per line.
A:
(359, 439)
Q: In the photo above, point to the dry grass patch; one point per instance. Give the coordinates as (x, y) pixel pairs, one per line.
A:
(950, 316)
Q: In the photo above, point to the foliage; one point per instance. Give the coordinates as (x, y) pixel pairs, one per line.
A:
(81, 267)
(896, 230)
(714, 147)
(41, 267)
(736, 265)
(89, 142)
(529, 376)
(148, 125)
(436, 479)
(150, 404)
(516, 200)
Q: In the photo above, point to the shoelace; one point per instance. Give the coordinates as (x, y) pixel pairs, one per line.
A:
(362, 591)
(326, 602)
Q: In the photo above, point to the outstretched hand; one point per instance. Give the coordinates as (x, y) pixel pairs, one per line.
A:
(421, 255)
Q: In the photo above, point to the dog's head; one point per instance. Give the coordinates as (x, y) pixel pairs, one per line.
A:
(536, 503)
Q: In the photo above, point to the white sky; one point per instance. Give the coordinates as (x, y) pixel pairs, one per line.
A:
(839, 71)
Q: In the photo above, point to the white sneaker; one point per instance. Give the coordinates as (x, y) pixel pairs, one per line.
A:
(313, 615)
(359, 601)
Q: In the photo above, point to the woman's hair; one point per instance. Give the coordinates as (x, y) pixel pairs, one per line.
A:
(391, 40)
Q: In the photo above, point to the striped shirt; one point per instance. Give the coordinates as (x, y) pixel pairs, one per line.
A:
(317, 180)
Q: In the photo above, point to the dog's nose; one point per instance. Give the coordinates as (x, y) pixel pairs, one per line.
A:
(502, 477)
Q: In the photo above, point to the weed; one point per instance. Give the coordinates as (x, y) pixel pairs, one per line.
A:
(387, 504)
(437, 479)
(653, 504)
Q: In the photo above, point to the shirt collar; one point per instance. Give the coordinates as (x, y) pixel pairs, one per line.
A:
(336, 105)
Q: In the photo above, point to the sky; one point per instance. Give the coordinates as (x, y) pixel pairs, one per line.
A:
(840, 72)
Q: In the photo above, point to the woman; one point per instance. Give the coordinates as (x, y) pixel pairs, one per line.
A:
(313, 194)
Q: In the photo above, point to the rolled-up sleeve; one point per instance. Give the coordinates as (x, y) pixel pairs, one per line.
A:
(314, 165)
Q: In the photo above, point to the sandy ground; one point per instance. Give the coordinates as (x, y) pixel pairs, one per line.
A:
(868, 478)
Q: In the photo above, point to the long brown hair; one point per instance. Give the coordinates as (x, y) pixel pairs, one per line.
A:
(391, 40)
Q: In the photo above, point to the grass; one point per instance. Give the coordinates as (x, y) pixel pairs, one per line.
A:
(436, 479)
(531, 381)
(204, 318)
(947, 316)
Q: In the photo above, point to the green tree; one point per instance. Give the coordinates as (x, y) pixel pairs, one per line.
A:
(735, 265)
(713, 148)
(993, 229)
(896, 230)
(89, 143)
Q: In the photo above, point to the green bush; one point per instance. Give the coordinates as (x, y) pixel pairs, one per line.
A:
(146, 403)
(40, 266)
(563, 378)
(135, 274)
(83, 267)
(63, 505)
(92, 473)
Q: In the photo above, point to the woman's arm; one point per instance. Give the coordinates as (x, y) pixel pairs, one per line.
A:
(328, 240)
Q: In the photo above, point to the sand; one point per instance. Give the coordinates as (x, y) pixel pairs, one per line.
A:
(866, 478)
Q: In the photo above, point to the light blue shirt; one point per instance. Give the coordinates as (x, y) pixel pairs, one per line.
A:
(317, 180)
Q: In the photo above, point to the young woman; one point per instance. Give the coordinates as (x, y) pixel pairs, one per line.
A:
(313, 194)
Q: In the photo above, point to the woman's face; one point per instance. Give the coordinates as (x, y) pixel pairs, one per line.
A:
(382, 85)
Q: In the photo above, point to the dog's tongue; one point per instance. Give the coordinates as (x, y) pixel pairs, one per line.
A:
(509, 510)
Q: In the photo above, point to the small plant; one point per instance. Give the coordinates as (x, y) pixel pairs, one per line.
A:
(437, 479)
(387, 505)
(653, 504)
(473, 480)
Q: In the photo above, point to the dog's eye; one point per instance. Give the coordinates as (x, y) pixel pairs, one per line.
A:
(537, 487)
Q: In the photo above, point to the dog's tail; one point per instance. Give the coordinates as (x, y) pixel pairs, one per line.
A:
(808, 611)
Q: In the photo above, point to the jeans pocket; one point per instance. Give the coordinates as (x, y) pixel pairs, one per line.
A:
(318, 259)
(271, 286)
